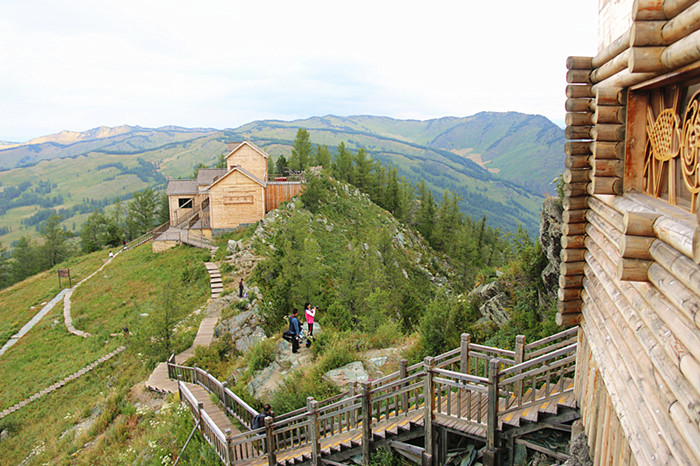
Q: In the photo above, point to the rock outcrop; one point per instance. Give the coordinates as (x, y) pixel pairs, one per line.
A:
(494, 301)
(550, 239)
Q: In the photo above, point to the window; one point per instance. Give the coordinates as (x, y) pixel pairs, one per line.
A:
(184, 202)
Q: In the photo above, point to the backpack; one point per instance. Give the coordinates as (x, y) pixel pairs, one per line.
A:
(258, 421)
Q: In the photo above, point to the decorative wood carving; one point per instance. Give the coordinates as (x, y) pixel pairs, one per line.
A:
(671, 170)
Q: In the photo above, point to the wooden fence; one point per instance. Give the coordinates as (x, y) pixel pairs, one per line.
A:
(474, 384)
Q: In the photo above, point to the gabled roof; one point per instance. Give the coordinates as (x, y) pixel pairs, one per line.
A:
(244, 172)
(207, 176)
(180, 187)
(234, 146)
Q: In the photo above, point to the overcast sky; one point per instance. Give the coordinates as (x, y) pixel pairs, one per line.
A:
(76, 65)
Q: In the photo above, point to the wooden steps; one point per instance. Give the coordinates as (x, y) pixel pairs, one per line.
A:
(215, 281)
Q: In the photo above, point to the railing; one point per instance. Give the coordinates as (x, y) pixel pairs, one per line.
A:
(476, 385)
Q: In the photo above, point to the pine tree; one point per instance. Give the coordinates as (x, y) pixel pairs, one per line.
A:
(323, 156)
(342, 166)
(55, 246)
(301, 151)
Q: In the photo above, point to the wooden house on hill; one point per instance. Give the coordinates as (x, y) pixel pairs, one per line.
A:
(221, 199)
(631, 244)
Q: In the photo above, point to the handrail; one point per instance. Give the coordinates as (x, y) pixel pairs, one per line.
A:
(545, 376)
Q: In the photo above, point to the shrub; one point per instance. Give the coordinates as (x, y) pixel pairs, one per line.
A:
(296, 387)
(261, 355)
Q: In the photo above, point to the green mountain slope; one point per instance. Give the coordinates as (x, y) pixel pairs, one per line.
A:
(77, 172)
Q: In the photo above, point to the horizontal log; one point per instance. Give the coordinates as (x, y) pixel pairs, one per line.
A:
(610, 133)
(576, 91)
(658, 10)
(575, 189)
(639, 223)
(572, 229)
(574, 216)
(571, 268)
(579, 119)
(570, 281)
(577, 147)
(578, 76)
(575, 203)
(682, 52)
(608, 150)
(573, 242)
(607, 213)
(611, 68)
(613, 49)
(678, 235)
(579, 105)
(624, 79)
(686, 300)
(605, 185)
(633, 269)
(579, 63)
(636, 247)
(681, 267)
(696, 245)
(569, 294)
(572, 255)
(646, 33)
(610, 96)
(569, 307)
(604, 236)
(581, 175)
(610, 115)
(608, 167)
(578, 132)
(577, 161)
(645, 59)
(685, 23)
(567, 320)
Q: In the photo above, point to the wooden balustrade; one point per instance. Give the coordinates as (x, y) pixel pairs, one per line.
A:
(475, 384)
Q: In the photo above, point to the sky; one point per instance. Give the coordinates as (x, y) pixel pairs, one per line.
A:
(75, 65)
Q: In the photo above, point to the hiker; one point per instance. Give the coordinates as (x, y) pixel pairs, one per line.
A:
(310, 313)
(295, 330)
(241, 286)
(126, 331)
(124, 242)
(111, 254)
(259, 419)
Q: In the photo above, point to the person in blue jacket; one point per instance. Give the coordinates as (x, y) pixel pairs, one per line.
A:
(295, 330)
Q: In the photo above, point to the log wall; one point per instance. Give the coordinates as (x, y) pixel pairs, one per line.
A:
(630, 273)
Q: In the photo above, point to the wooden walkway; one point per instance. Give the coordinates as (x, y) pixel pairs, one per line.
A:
(159, 381)
(213, 409)
(217, 285)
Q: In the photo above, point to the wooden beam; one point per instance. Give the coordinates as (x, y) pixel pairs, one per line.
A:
(579, 63)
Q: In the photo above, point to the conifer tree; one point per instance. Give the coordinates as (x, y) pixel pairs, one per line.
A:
(323, 156)
(342, 166)
(301, 151)
(55, 241)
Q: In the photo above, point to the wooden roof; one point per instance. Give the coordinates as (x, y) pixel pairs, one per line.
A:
(234, 146)
(207, 176)
(244, 172)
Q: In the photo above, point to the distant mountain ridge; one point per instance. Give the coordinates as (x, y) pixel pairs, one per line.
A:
(501, 164)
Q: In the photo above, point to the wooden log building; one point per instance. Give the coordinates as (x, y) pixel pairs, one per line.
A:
(631, 246)
(222, 199)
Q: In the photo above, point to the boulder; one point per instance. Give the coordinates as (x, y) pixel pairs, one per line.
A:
(245, 329)
(347, 374)
(494, 301)
(234, 246)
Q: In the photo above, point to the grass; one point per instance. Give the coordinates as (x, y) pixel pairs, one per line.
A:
(48, 353)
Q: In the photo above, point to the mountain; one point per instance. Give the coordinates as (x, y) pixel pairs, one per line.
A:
(499, 163)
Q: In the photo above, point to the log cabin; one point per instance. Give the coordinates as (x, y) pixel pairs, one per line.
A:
(631, 245)
(220, 200)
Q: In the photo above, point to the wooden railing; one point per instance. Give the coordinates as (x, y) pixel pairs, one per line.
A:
(474, 384)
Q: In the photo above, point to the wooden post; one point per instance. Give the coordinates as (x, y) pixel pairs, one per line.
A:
(403, 373)
(366, 423)
(491, 453)
(464, 362)
(227, 432)
(353, 413)
(200, 407)
(429, 406)
(270, 442)
(519, 358)
(314, 433)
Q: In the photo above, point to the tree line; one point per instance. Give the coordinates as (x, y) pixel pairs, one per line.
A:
(124, 222)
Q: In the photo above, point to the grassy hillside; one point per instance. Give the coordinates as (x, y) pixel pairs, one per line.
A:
(128, 291)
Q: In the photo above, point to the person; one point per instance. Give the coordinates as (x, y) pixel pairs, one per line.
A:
(310, 313)
(259, 419)
(124, 242)
(241, 286)
(126, 331)
(111, 254)
(295, 330)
